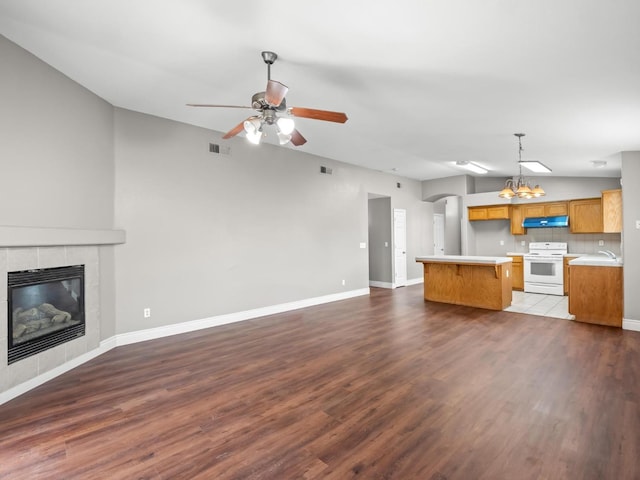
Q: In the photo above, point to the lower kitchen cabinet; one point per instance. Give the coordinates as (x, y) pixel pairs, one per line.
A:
(517, 272)
(565, 272)
(595, 294)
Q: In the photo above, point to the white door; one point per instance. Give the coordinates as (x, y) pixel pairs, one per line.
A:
(400, 247)
(438, 234)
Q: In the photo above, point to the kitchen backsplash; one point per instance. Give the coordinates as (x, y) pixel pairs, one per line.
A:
(576, 242)
(495, 239)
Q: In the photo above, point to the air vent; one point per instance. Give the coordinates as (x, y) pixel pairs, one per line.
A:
(326, 170)
(221, 149)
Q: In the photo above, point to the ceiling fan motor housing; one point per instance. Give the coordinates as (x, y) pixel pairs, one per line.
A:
(259, 103)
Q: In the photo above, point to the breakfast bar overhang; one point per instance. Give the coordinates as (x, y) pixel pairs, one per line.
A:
(474, 281)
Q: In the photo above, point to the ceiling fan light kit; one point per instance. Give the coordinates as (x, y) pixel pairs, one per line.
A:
(269, 104)
(520, 187)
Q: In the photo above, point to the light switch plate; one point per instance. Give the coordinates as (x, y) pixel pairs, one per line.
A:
(363, 245)
(638, 224)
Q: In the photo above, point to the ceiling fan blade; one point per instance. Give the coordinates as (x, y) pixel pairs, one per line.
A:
(275, 92)
(220, 106)
(297, 139)
(337, 117)
(235, 130)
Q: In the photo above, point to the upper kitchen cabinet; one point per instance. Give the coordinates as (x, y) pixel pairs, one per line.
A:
(585, 216)
(517, 216)
(545, 209)
(612, 211)
(490, 212)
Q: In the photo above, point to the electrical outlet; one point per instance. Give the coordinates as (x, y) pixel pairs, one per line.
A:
(344, 282)
(363, 244)
(523, 243)
(637, 224)
(501, 242)
(601, 243)
(147, 312)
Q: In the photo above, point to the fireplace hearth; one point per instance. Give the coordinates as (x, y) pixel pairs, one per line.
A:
(45, 309)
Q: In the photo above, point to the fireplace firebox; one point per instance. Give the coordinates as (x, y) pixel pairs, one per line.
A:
(45, 309)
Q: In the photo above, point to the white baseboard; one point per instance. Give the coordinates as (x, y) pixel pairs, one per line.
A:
(630, 324)
(165, 331)
(54, 372)
(413, 281)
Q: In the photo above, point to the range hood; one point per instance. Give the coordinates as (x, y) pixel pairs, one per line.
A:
(546, 222)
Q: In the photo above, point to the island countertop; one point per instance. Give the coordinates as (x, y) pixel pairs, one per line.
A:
(464, 259)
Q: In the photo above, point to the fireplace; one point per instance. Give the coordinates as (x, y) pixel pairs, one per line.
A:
(45, 309)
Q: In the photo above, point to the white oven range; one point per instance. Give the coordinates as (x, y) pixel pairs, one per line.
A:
(543, 268)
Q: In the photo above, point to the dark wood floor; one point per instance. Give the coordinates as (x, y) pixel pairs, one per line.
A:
(385, 386)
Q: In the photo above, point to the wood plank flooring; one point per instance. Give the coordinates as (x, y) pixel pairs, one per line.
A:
(380, 387)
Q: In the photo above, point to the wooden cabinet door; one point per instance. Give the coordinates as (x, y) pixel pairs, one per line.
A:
(498, 212)
(533, 210)
(612, 211)
(516, 220)
(556, 208)
(477, 213)
(585, 216)
(565, 267)
(517, 272)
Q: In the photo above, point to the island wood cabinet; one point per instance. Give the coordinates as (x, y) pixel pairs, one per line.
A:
(517, 272)
(449, 279)
(612, 211)
(585, 215)
(490, 212)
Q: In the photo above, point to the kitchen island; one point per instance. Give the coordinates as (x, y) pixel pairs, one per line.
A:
(474, 281)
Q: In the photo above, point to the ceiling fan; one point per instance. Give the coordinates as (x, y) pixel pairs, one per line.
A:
(272, 109)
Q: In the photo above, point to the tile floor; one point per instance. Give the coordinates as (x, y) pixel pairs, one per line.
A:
(539, 304)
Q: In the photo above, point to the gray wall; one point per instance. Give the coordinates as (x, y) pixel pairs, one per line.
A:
(215, 234)
(452, 227)
(631, 243)
(56, 156)
(380, 233)
(433, 190)
(56, 151)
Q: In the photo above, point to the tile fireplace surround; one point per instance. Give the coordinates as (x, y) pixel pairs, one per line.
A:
(28, 248)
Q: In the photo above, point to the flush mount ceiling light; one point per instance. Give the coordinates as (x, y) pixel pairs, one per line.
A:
(535, 166)
(520, 187)
(473, 167)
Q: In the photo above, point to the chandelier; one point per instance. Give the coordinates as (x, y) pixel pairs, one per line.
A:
(520, 187)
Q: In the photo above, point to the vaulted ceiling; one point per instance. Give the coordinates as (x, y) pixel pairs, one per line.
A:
(424, 83)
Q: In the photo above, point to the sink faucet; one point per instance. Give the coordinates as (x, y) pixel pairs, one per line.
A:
(608, 253)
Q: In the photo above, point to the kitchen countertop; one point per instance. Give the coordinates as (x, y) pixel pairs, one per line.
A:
(597, 261)
(462, 259)
(520, 254)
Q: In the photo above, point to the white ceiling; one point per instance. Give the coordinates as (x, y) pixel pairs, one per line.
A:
(424, 82)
